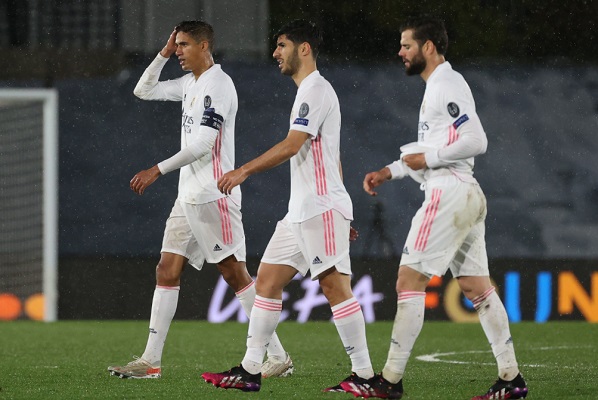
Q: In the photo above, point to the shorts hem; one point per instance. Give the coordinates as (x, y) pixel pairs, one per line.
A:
(332, 264)
(193, 263)
(173, 251)
(276, 262)
(227, 254)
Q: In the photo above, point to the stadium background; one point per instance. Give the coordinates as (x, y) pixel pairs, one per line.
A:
(531, 66)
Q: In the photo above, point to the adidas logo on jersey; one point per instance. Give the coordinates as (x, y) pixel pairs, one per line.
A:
(406, 250)
(316, 261)
(217, 248)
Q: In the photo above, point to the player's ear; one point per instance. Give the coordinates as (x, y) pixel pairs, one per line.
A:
(305, 49)
(429, 47)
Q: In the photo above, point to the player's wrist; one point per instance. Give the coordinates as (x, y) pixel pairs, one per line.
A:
(386, 173)
(395, 170)
(156, 170)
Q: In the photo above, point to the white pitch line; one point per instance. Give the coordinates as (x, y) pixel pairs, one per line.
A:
(435, 357)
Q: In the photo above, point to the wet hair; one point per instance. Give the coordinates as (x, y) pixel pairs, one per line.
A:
(301, 31)
(426, 27)
(198, 30)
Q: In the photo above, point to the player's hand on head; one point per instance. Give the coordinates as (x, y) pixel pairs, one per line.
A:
(170, 46)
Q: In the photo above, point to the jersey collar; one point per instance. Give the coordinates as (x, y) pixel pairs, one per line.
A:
(310, 77)
(445, 66)
(209, 72)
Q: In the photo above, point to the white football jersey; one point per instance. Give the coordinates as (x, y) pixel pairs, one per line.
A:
(208, 103)
(316, 184)
(447, 105)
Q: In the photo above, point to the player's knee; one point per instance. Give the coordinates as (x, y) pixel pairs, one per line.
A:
(336, 291)
(168, 274)
(473, 286)
(410, 279)
(236, 277)
(269, 289)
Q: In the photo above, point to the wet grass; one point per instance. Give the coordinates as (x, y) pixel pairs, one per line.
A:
(68, 360)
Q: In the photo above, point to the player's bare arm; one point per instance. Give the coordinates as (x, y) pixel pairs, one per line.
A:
(144, 178)
(375, 179)
(170, 46)
(278, 154)
(415, 161)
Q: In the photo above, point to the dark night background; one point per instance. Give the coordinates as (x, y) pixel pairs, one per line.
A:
(531, 65)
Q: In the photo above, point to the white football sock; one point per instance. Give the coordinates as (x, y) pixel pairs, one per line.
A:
(262, 324)
(246, 297)
(350, 325)
(408, 323)
(164, 305)
(495, 323)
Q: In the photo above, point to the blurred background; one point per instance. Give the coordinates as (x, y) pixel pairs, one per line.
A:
(532, 67)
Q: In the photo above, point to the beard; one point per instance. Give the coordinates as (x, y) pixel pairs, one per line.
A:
(417, 65)
(293, 64)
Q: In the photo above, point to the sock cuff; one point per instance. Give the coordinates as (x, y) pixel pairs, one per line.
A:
(267, 304)
(168, 287)
(478, 300)
(407, 295)
(240, 292)
(345, 308)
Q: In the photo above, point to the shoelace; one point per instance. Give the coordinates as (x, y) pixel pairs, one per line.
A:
(138, 361)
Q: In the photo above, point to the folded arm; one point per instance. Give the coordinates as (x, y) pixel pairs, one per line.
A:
(472, 141)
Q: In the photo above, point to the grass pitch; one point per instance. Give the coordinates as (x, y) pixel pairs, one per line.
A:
(68, 360)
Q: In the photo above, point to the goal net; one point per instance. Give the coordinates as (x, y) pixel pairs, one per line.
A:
(28, 203)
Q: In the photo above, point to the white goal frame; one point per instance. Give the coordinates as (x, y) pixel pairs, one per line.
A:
(50, 191)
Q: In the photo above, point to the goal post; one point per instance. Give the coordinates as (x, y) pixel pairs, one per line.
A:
(29, 203)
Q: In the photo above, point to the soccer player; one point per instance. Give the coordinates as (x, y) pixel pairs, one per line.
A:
(447, 232)
(204, 224)
(314, 235)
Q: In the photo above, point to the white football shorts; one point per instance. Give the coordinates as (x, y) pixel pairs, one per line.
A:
(205, 232)
(448, 230)
(315, 245)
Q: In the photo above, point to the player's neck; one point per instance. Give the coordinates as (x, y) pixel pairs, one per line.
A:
(206, 65)
(305, 69)
(431, 66)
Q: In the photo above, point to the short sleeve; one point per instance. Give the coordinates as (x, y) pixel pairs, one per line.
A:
(309, 110)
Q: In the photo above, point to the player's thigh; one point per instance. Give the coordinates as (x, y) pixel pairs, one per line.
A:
(441, 225)
(218, 229)
(471, 259)
(283, 249)
(178, 237)
(324, 242)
